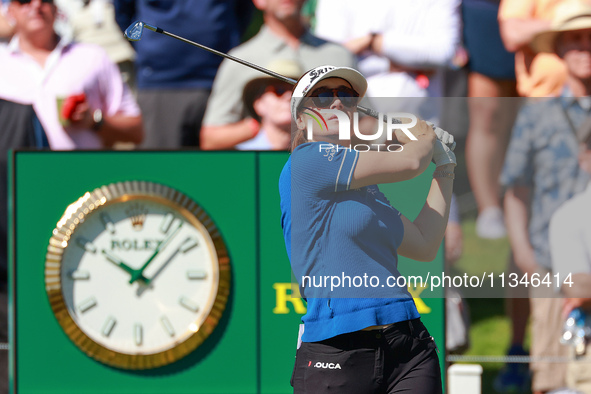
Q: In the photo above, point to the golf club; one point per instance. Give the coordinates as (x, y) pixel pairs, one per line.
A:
(135, 30)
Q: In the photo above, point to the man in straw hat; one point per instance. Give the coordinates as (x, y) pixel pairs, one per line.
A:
(541, 172)
(570, 243)
(266, 100)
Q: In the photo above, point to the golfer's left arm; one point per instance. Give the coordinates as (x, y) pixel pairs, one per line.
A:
(423, 236)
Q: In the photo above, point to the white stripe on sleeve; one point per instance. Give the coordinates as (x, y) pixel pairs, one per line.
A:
(352, 169)
(336, 185)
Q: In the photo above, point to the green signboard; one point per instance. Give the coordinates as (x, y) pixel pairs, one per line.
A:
(252, 347)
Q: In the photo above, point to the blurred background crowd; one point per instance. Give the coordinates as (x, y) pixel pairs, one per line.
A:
(510, 79)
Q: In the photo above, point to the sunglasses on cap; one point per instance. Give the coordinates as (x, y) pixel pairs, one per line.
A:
(29, 1)
(323, 97)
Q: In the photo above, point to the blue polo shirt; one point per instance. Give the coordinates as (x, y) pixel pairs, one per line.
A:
(342, 244)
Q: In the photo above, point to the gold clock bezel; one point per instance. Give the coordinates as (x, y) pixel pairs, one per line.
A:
(76, 214)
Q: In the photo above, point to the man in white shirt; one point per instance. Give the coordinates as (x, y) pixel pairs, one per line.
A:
(570, 246)
(38, 67)
(401, 47)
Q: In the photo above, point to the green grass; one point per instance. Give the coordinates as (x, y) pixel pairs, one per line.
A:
(490, 330)
(481, 254)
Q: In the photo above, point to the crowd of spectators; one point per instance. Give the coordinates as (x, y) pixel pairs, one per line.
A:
(69, 80)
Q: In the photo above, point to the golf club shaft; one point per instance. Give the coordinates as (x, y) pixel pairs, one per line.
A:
(283, 78)
(243, 62)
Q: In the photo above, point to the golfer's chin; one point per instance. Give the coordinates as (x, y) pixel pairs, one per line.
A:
(332, 132)
(332, 122)
(329, 138)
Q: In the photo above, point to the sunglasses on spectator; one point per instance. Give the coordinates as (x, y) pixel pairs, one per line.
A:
(29, 1)
(323, 97)
(278, 89)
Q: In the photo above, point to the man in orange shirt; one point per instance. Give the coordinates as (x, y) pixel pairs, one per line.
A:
(538, 75)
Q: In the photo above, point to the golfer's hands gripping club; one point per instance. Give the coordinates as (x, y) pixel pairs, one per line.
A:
(444, 146)
(444, 136)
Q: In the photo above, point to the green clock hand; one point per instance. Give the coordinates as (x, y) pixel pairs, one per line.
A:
(119, 263)
(137, 274)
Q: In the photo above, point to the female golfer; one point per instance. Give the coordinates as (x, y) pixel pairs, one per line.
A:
(362, 332)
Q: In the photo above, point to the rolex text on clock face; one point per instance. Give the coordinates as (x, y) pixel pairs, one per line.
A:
(140, 275)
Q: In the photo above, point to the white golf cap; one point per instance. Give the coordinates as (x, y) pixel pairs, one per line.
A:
(307, 82)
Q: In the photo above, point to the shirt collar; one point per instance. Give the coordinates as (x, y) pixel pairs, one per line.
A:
(14, 45)
(568, 99)
(276, 43)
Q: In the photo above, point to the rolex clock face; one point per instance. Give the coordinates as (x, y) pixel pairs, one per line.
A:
(137, 274)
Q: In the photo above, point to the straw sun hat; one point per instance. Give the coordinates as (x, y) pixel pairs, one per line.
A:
(569, 16)
(255, 87)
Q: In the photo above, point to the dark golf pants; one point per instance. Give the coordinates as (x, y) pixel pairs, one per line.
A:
(401, 358)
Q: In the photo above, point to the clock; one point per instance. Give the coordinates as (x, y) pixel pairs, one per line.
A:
(137, 274)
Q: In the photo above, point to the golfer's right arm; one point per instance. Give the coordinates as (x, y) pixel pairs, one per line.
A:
(423, 236)
(375, 167)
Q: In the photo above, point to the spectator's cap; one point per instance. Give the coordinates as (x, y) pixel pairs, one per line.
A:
(255, 87)
(584, 132)
(569, 16)
(315, 75)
